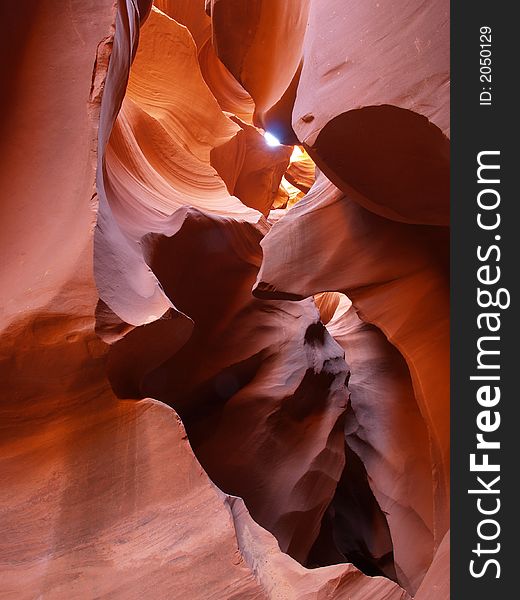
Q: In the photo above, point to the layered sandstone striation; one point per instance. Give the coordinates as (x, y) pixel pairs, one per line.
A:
(225, 363)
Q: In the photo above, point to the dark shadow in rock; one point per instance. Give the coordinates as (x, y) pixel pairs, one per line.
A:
(393, 161)
(354, 528)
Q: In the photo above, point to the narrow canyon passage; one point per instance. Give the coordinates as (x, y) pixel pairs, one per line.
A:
(226, 339)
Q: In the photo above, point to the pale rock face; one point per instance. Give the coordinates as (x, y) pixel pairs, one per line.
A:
(222, 365)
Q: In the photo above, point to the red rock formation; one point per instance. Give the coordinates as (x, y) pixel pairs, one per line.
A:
(167, 278)
(397, 277)
(372, 104)
(264, 58)
(251, 171)
(382, 407)
(436, 584)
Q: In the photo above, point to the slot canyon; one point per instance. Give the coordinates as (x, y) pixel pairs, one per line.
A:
(225, 300)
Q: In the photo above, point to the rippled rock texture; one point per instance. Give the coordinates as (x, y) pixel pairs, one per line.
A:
(225, 361)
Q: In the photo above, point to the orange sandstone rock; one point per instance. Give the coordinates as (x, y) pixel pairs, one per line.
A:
(161, 262)
(397, 278)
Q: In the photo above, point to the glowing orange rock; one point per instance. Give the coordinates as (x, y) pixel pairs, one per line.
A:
(136, 281)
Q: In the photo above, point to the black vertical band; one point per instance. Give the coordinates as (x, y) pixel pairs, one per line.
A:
(485, 359)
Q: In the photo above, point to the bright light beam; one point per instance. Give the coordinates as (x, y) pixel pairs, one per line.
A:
(271, 140)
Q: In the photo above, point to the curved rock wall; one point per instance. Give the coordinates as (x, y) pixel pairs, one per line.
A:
(225, 363)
